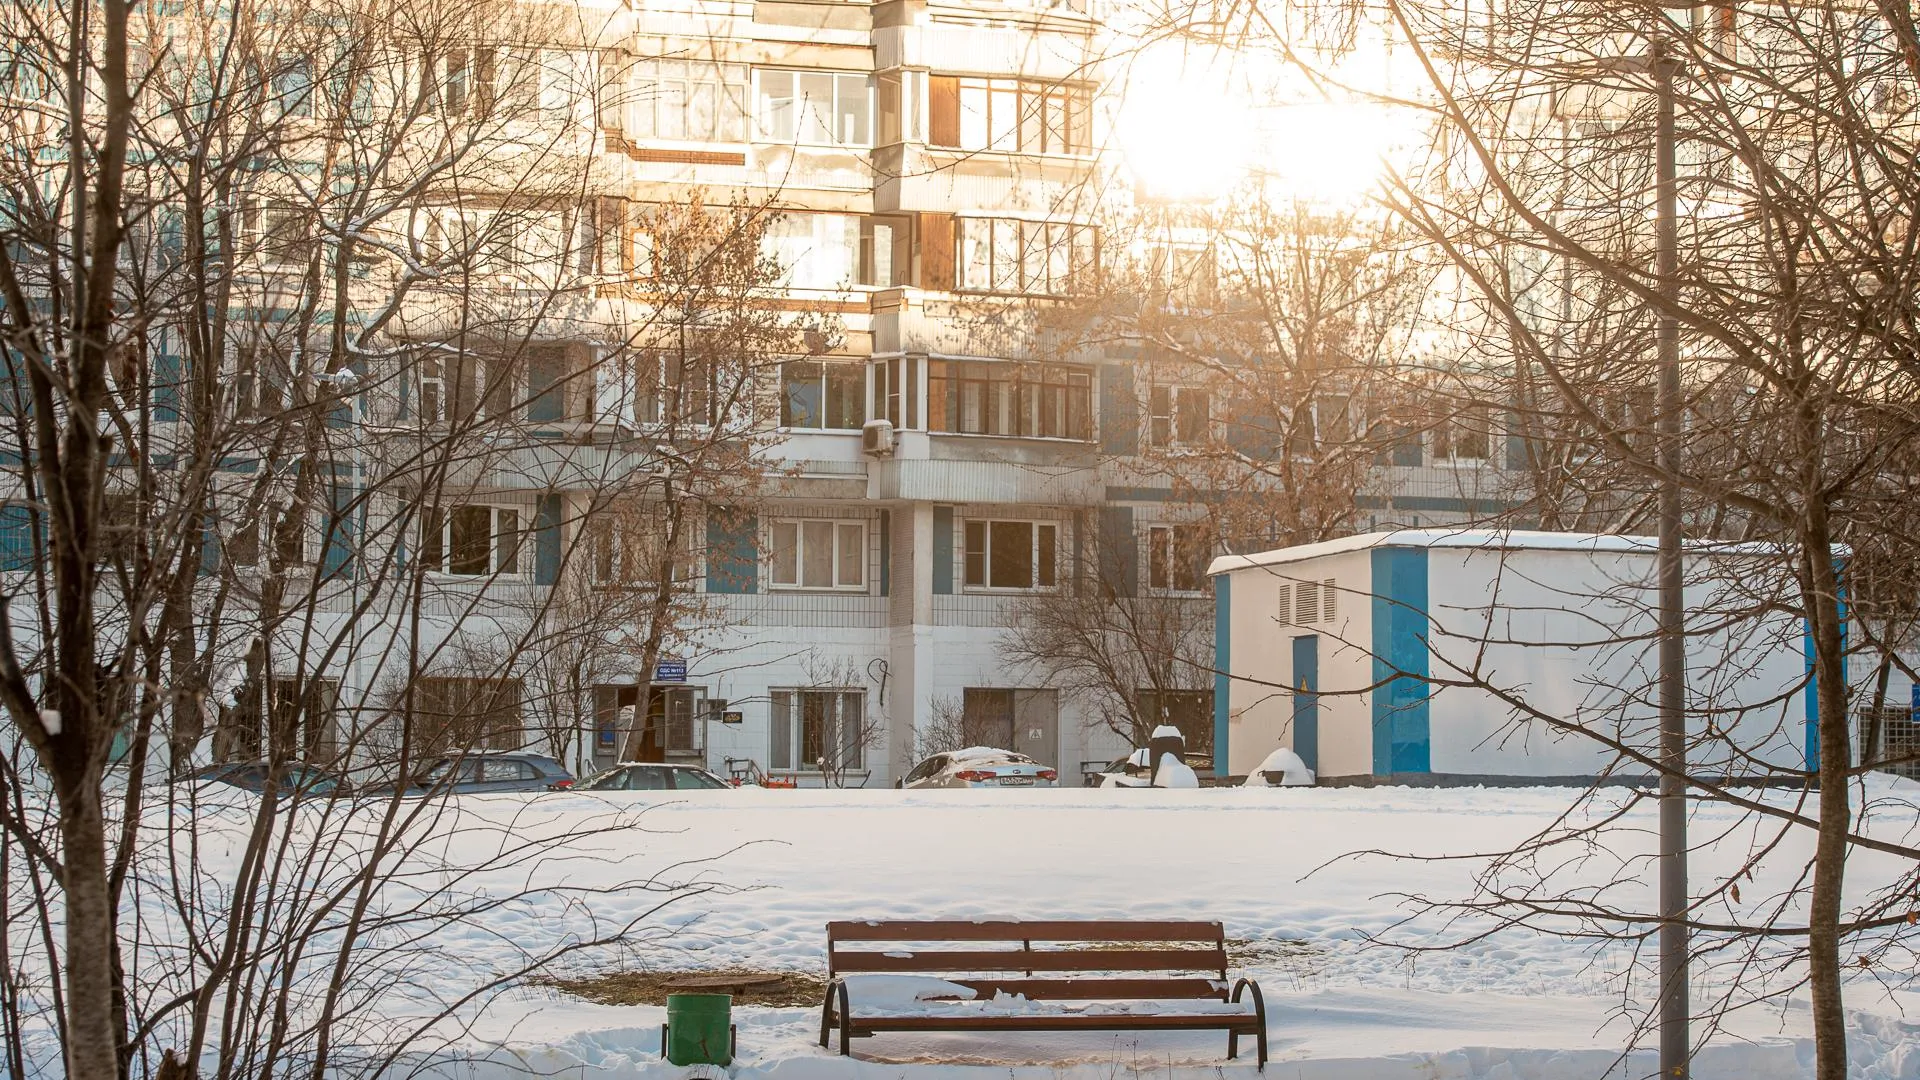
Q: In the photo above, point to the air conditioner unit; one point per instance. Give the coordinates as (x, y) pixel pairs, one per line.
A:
(876, 437)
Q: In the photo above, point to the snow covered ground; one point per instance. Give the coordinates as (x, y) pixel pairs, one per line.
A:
(1275, 864)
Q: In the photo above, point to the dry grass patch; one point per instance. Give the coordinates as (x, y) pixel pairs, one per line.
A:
(784, 989)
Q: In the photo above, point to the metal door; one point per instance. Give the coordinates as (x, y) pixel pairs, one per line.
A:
(1306, 699)
(1036, 725)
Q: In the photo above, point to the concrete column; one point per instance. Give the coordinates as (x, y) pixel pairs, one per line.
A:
(910, 626)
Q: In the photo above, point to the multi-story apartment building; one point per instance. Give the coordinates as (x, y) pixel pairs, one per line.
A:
(456, 402)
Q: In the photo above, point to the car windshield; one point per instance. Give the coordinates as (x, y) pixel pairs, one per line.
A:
(695, 779)
(990, 762)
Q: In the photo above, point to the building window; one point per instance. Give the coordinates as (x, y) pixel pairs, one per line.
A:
(624, 547)
(896, 391)
(672, 390)
(281, 234)
(1179, 416)
(687, 99)
(1011, 554)
(293, 89)
(301, 710)
(1464, 439)
(284, 536)
(459, 714)
(1184, 276)
(886, 252)
(1177, 557)
(820, 395)
(1031, 258)
(471, 541)
(462, 388)
(1191, 711)
(816, 108)
(260, 381)
(814, 251)
(1036, 401)
(814, 554)
(1009, 115)
(819, 730)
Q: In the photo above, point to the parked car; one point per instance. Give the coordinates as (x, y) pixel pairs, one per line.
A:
(979, 766)
(637, 776)
(296, 779)
(483, 772)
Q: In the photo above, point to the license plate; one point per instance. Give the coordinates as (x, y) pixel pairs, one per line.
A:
(1017, 781)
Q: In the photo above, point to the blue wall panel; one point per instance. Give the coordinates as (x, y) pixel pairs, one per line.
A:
(943, 550)
(1222, 661)
(1306, 699)
(546, 540)
(1401, 714)
(1119, 410)
(733, 551)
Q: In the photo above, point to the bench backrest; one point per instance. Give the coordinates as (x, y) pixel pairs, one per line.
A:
(1010, 947)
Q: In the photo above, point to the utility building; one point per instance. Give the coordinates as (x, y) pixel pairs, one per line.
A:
(1464, 653)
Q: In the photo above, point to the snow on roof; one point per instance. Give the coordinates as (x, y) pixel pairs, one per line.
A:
(1491, 539)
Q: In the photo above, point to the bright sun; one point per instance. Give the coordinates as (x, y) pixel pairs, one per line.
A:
(1183, 124)
(1190, 129)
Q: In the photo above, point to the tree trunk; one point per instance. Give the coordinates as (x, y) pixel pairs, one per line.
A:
(92, 1043)
(1835, 814)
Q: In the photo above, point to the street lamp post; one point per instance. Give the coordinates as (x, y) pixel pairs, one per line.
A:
(1671, 695)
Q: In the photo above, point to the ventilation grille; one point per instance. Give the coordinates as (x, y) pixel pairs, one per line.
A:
(1303, 603)
(1306, 602)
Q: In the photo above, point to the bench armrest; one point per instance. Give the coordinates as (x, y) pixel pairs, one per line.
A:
(836, 994)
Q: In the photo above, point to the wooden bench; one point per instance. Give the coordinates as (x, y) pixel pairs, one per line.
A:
(1119, 962)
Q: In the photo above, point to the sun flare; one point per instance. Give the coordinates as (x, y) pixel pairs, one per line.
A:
(1182, 124)
(1195, 125)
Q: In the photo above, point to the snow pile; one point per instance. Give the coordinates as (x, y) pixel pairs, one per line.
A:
(1167, 731)
(895, 994)
(1174, 773)
(1293, 772)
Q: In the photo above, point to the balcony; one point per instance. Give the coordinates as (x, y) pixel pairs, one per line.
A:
(908, 320)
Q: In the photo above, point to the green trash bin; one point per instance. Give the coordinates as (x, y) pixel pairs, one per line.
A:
(699, 1029)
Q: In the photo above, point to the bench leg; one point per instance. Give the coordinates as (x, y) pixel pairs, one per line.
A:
(1260, 1023)
(826, 1015)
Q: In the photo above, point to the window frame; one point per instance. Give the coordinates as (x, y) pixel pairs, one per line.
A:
(790, 701)
(1165, 417)
(1043, 574)
(1050, 118)
(692, 74)
(1068, 251)
(1006, 393)
(836, 558)
(1167, 543)
(497, 553)
(609, 549)
(766, 131)
(824, 372)
(1468, 425)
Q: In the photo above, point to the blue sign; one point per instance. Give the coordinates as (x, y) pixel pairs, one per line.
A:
(670, 671)
(1916, 699)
